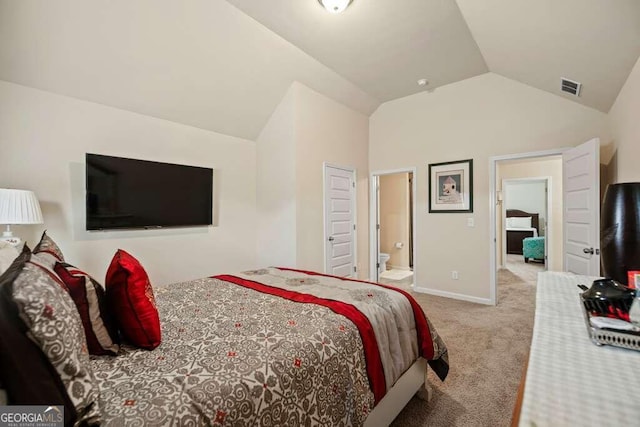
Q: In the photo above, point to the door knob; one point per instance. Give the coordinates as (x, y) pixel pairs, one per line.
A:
(588, 251)
(331, 239)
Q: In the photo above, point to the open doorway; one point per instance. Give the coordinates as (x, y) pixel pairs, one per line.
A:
(525, 168)
(393, 227)
(526, 228)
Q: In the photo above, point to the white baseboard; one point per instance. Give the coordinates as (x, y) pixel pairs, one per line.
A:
(396, 267)
(453, 295)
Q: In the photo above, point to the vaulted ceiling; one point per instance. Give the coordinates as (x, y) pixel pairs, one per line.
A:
(224, 65)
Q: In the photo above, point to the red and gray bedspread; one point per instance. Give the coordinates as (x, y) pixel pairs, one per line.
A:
(269, 347)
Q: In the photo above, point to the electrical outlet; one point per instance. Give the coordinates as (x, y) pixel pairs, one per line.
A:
(454, 275)
(470, 222)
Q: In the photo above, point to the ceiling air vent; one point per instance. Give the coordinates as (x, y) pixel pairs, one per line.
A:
(571, 87)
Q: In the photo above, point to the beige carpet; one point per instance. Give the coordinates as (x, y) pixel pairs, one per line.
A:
(488, 347)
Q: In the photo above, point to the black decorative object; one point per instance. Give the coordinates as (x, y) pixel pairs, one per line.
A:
(620, 231)
(606, 297)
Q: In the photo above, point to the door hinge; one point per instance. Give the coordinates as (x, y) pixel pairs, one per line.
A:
(377, 226)
(353, 184)
(377, 265)
(354, 226)
(354, 268)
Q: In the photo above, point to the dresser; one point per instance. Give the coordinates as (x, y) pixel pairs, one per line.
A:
(569, 380)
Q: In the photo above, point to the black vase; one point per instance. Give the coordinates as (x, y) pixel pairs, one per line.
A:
(620, 230)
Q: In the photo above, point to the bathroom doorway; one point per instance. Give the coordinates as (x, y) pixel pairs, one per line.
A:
(393, 228)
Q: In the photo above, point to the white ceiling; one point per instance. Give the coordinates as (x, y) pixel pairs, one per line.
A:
(385, 46)
(224, 65)
(382, 46)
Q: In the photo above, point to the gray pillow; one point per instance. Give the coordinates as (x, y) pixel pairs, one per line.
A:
(53, 323)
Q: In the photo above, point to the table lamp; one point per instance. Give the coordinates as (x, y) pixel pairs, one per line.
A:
(18, 207)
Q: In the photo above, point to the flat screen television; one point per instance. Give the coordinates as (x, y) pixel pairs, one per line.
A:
(128, 193)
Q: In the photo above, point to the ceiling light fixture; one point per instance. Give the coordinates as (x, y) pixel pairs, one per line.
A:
(335, 6)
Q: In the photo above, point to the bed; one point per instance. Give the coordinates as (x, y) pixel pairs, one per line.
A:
(519, 225)
(273, 347)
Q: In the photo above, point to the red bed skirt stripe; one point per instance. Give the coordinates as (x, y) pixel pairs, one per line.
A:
(425, 342)
(375, 371)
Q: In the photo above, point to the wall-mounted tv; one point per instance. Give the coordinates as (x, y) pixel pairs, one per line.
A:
(128, 193)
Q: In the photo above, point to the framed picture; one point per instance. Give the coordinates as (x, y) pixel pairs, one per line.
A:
(451, 187)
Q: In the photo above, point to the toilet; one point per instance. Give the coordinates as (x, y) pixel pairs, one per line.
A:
(383, 261)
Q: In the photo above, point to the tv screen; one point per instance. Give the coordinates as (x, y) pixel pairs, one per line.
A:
(129, 193)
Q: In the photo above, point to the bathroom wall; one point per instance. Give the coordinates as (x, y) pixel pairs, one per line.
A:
(394, 219)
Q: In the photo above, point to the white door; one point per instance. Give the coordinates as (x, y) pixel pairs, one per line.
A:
(377, 225)
(581, 211)
(339, 219)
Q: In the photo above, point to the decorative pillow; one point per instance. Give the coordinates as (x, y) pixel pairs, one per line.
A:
(26, 374)
(131, 299)
(89, 297)
(48, 252)
(53, 323)
(8, 253)
(519, 222)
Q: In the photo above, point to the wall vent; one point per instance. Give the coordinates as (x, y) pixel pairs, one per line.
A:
(570, 86)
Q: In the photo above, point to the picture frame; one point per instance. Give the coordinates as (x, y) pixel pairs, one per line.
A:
(451, 187)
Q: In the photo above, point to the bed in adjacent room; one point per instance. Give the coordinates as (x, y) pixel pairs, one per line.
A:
(520, 225)
(273, 346)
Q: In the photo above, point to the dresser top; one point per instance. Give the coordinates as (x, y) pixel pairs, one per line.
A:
(570, 380)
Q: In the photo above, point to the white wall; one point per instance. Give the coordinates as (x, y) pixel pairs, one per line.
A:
(528, 196)
(43, 140)
(484, 116)
(625, 126)
(276, 188)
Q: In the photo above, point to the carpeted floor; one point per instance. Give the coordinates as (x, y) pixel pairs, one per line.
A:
(488, 347)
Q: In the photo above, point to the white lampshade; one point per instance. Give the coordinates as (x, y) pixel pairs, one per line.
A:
(335, 6)
(19, 207)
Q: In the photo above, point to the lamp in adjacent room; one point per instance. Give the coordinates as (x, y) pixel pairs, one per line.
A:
(18, 207)
(620, 231)
(335, 6)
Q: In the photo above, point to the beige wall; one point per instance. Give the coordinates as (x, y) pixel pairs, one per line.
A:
(307, 130)
(394, 218)
(276, 188)
(551, 167)
(43, 141)
(326, 131)
(625, 126)
(478, 118)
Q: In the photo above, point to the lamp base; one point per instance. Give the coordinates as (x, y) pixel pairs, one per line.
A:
(12, 240)
(7, 236)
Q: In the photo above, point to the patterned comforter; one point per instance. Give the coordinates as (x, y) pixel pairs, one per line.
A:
(269, 347)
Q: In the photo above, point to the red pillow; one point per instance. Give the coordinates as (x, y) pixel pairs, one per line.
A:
(131, 299)
(88, 295)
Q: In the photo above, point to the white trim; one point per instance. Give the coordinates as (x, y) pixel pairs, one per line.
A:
(373, 210)
(399, 395)
(492, 209)
(397, 267)
(453, 295)
(373, 237)
(354, 207)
